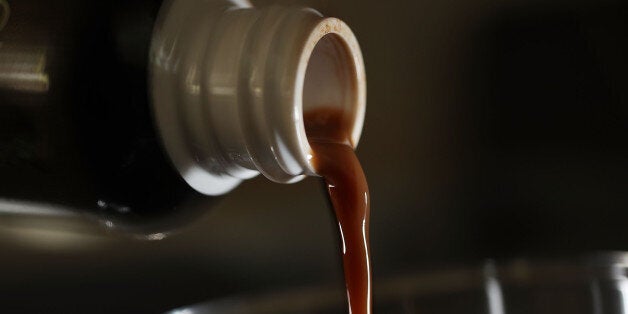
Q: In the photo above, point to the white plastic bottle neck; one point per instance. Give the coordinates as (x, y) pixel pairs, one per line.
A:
(230, 83)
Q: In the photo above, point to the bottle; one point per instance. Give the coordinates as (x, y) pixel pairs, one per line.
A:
(142, 113)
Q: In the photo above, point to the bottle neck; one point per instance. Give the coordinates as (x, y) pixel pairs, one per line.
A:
(230, 84)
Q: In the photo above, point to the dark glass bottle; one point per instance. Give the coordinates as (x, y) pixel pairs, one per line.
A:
(125, 110)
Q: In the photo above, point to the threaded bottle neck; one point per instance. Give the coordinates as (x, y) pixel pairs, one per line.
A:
(229, 89)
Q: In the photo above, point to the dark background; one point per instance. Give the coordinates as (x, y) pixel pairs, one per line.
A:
(493, 129)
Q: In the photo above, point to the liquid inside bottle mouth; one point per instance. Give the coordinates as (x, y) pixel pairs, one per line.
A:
(334, 81)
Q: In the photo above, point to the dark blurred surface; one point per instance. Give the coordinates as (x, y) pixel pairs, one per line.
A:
(493, 129)
(594, 283)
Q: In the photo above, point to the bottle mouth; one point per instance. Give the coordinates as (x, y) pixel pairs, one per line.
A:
(331, 76)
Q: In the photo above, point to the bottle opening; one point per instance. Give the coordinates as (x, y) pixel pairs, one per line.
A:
(334, 81)
(330, 80)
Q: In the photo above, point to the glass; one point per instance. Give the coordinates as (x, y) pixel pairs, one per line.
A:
(594, 284)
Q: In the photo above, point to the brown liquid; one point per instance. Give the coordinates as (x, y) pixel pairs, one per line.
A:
(328, 132)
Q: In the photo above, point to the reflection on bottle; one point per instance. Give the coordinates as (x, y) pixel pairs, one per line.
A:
(46, 227)
(23, 69)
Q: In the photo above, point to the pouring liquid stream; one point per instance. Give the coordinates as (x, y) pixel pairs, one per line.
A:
(328, 132)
